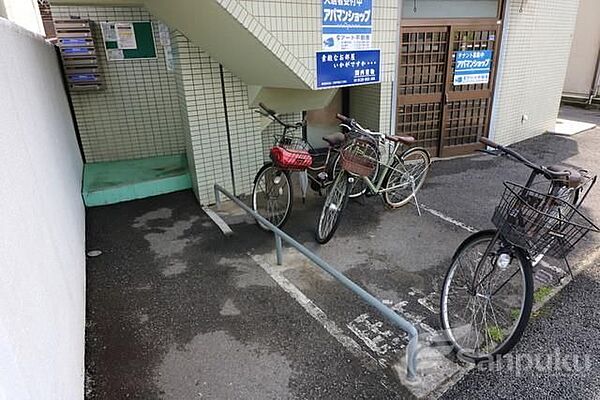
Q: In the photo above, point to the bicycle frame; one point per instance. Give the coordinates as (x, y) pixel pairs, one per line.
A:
(535, 259)
(376, 187)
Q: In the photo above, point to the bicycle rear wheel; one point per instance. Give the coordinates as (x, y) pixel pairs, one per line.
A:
(272, 195)
(486, 302)
(334, 205)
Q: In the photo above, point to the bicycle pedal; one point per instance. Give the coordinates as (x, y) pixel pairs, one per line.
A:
(323, 176)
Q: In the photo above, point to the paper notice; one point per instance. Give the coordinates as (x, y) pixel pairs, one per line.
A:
(109, 32)
(125, 35)
(114, 54)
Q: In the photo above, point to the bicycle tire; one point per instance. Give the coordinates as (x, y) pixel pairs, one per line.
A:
(262, 171)
(324, 233)
(525, 309)
(393, 172)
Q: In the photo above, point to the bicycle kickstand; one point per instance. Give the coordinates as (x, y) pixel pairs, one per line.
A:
(412, 183)
(569, 267)
(303, 184)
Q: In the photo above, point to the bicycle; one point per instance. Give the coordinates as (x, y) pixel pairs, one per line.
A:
(396, 174)
(487, 295)
(272, 192)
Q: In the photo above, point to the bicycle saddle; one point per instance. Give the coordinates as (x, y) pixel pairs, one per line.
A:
(574, 179)
(335, 138)
(402, 139)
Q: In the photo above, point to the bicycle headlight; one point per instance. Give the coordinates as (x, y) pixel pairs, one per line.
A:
(503, 260)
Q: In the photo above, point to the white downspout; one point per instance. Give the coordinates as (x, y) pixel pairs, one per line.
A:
(596, 81)
(500, 70)
(394, 102)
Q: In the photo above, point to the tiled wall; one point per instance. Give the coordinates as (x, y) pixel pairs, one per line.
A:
(296, 24)
(535, 51)
(200, 91)
(137, 113)
(146, 110)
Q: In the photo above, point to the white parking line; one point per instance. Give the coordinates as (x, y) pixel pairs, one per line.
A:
(448, 219)
(314, 311)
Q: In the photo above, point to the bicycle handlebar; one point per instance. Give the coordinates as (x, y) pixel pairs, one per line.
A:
(352, 123)
(267, 109)
(273, 115)
(344, 119)
(540, 168)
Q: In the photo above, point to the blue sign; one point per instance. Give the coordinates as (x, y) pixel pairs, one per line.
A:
(347, 13)
(347, 24)
(472, 67)
(347, 68)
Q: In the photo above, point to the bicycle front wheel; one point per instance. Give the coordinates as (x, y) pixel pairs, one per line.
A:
(486, 301)
(359, 186)
(406, 176)
(272, 195)
(334, 205)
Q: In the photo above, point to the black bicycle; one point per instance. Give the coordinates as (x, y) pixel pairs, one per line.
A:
(487, 293)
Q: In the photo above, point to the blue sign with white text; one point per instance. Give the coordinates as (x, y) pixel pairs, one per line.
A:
(472, 67)
(346, 14)
(347, 24)
(346, 68)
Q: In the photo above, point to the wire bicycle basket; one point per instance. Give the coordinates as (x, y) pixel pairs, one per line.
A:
(291, 153)
(538, 222)
(355, 159)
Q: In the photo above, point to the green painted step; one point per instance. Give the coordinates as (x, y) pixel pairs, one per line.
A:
(117, 181)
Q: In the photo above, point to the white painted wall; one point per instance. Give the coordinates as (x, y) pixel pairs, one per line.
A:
(584, 50)
(42, 226)
(23, 12)
(533, 64)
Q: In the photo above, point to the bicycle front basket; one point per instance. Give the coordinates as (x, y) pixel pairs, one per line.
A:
(356, 160)
(538, 222)
(291, 159)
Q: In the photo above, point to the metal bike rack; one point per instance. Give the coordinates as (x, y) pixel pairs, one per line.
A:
(395, 319)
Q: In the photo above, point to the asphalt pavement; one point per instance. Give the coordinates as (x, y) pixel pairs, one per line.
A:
(175, 310)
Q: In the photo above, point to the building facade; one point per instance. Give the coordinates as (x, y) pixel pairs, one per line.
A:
(583, 73)
(216, 60)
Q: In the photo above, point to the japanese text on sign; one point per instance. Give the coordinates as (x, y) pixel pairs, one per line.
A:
(472, 67)
(347, 24)
(345, 68)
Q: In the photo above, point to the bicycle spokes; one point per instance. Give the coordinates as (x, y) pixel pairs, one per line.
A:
(484, 297)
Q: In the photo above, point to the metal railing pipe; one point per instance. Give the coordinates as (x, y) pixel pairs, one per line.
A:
(388, 313)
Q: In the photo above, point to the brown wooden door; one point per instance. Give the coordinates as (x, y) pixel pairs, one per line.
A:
(448, 120)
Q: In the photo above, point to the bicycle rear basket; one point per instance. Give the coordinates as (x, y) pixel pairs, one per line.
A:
(356, 159)
(539, 222)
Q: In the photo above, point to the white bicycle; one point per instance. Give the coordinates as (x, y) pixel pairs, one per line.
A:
(392, 171)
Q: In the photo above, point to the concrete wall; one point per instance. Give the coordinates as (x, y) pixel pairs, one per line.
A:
(533, 64)
(42, 254)
(584, 50)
